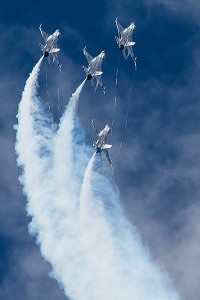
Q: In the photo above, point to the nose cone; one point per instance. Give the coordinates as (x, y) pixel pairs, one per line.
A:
(108, 128)
(58, 33)
(132, 26)
(121, 47)
(103, 54)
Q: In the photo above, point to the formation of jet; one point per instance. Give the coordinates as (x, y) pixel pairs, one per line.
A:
(124, 39)
(94, 69)
(50, 48)
(100, 144)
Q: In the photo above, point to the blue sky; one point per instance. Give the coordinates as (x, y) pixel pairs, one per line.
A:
(158, 168)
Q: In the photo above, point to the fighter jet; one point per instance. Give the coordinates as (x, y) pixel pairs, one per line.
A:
(94, 68)
(100, 144)
(50, 47)
(124, 39)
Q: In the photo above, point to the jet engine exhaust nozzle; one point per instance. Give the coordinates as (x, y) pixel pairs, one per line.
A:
(89, 76)
(46, 54)
(98, 149)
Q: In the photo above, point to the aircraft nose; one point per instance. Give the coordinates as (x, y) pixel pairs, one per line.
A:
(108, 128)
(58, 33)
(133, 25)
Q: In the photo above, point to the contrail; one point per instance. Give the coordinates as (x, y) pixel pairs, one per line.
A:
(64, 141)
(50, 204)
(118, 265)
(68, 187)
(76, 214)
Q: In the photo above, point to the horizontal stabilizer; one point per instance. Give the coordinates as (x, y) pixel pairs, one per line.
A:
(41, 47)
(54, 50)
(97, 73)
(129, 44)
(106, 146)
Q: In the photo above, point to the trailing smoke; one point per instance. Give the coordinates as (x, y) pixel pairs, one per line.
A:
(76, 216)
(119, 266)
(51, 198)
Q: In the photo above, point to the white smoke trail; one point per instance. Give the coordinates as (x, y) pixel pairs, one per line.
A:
(50, 204)
(118, 265)
(64, 140)
(97, 254)
(68, 190)
(33, 149)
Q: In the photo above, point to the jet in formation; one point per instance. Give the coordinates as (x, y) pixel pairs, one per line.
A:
(94, 69)
(124, 39)
(100, 144)
(50, 48)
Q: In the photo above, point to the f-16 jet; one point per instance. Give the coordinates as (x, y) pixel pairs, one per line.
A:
(50, 48)
(94, 69)
(100, 144)
(124, 39)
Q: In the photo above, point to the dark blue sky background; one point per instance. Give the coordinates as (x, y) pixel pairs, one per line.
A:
(158, 168)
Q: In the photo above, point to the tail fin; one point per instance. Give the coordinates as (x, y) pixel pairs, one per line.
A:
(117, 39)
(60, 67)
(103, 89)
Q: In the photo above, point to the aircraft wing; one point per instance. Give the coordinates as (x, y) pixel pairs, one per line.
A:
(43, 33)
(119, 27)
(87, 55)
(107, 156)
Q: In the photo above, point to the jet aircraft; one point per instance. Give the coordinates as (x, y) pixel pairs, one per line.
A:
(124, 39)
(94, 68)
(100, 144)
(50, 47)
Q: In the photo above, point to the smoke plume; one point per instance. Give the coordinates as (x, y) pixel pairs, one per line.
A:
(75, 209)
